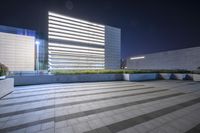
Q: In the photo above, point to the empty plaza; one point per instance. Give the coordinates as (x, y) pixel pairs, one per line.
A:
(163, 106)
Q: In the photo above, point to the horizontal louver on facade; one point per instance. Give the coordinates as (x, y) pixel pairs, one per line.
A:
(75, 44)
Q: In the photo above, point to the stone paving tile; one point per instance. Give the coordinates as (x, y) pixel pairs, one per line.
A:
(51, 130)
(47, 125)
(90, 116)
(33, 129)
(64, 130)
(96, 123)
(61, 124)
(81, 127)
(19, 131)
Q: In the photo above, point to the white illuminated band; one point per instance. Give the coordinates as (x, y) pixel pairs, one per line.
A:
(51, 58)
(74, 26)
(77, 58)
(137, 58)
(60, 55)
(76, 23)
(69, 57)
(76, 40)
(75, 33)
(75, 30)
(77, 50)
(74, 19)
(77, 47)
(76, 64)
(76, 37)
(80, 68)
(68, 53)
(73, 61)
(72, 53)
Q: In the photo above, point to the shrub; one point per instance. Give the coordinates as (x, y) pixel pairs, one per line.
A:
(63, 72)
(3, 69)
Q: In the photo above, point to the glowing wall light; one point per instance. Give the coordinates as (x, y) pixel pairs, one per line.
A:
(137, 58)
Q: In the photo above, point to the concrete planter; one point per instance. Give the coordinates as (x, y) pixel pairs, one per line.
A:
(47, 79)
(6, 86)
(180, 76)
(141, 77)
(196, 77)
(165, 76)
(2, 77)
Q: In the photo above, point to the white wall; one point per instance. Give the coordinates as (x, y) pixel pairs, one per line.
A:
(17, 52)
(188, 58)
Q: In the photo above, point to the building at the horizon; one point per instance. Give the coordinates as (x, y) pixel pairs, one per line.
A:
(22, 50)
(79, 44)
(17, 48)
(187, 59)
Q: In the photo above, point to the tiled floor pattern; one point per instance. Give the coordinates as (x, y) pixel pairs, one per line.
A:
(103, 107)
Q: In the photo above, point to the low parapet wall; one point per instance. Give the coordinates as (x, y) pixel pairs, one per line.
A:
(6, 86)
(48, 79)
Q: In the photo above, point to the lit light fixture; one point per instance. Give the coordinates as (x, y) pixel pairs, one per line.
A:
(137, 58)
(37, 42)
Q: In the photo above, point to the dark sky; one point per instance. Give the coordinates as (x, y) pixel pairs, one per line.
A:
(146, 26)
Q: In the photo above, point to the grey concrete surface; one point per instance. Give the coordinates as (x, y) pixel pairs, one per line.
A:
(165, 106)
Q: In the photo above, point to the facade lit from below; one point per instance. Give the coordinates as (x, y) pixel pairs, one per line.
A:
(79, 44)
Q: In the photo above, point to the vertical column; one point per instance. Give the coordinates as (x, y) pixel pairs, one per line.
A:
(112, 47)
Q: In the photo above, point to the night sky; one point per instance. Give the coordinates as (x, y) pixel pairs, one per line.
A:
(146, 26)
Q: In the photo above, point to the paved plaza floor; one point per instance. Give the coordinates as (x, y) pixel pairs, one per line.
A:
(163, 106)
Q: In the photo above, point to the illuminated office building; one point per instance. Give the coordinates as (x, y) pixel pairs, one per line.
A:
(79, 44)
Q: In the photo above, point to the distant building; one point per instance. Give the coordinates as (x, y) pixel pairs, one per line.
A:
(19, 51)
(79, 44)
(72, 44)
(188, 59)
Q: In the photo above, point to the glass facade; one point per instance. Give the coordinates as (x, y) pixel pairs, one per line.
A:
(18, 31)
(75, 43)
(41, 54)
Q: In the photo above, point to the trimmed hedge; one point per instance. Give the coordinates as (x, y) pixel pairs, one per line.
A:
(63, 72)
